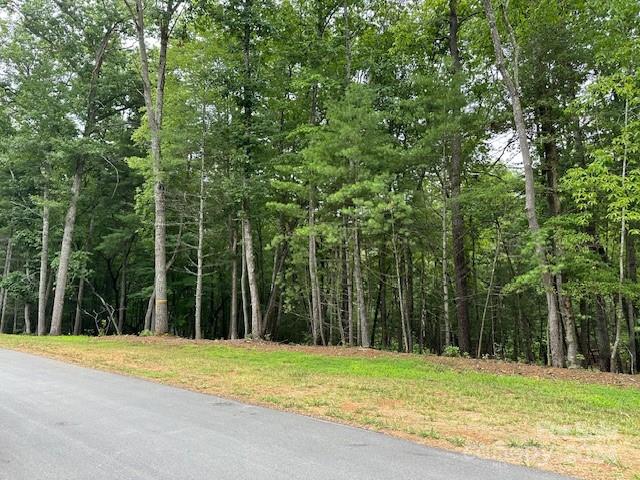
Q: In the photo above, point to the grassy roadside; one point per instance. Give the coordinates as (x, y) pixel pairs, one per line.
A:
(588, 430)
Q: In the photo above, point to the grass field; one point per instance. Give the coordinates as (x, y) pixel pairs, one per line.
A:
(585, 427)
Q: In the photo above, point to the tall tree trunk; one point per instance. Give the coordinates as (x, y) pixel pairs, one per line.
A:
(631, 314)
(339, 295)
(461, 269)
(14, 329)
(198, 313)
(621, 250)
(245, 294)
(316, 305)
(362, 307)
(233, 315)
(65, 254)
(49, 288)
(154, 118)
(271, 313)
(122, 301)
(445, 282)
(348, 284)
(551, 157)
(256, 314)
(70, 219)
(401, 301)
(3, 292)
(27, 318)
(408, 297)
(44, 266)
(161, 307)
(77, 323)
(148, 316)
(513, 88)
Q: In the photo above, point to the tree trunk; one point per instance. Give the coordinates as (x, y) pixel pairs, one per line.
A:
(513, 88)
(445, 283)
(408, 297)
(44, 266)
(233, 315)
(631, 314)
(339, 296)
(70, 219)
(14, 329)
(161, 307)
(3, 292)
(622, 249)
(460, 266)
(348, 282)
(316, 305)
(77, 324)
(65, 254)
(198, 319)
(245, 294)
(256, 315)
(550, 152)
(401, 301)
(148, 316)
(154, 118)
(122, 302)
(362, 308)
(27, 318)
(271, 313)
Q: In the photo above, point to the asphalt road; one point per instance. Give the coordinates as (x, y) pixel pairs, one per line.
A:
(63, 422)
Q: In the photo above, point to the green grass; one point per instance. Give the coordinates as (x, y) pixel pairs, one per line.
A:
(497, 415)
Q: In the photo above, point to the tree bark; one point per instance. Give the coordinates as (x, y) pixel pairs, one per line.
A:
(271, 313)
(511, 83)
(317, 322)
(70, 218)
(550, 152)
(122, 301)
(198, 299)
(3, 292)
(401, 294)
(44, 266)
(631, 314)
(461, 269)
(148, 316)
(362, 308)
(445, 283)
(27, 318)
(233, 314)
(348, 287)
(154, 118)
(14, 329)
(256, 314)
(621, 251)
(245, 294)
(65, 254)
(408, 297)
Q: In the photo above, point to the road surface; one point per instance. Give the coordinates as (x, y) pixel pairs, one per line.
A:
(63, 422)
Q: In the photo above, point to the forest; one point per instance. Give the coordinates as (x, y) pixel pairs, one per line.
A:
(459, 177)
